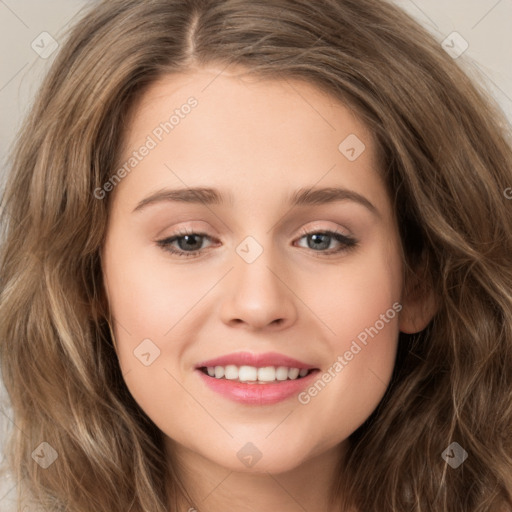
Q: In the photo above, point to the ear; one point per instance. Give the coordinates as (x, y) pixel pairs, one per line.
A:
(419, 305)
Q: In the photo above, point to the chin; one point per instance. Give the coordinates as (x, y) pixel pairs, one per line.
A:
(252, 458)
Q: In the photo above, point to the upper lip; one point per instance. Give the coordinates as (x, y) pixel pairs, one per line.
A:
(256, 360)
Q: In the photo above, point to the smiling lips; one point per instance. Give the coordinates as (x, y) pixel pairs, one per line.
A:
(256, 378)
(256, 360)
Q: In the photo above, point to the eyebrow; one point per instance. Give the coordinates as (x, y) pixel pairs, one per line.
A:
(211, 196)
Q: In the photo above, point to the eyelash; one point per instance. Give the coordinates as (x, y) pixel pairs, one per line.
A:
(348, 243)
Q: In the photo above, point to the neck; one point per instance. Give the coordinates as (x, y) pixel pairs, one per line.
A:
(214, 488)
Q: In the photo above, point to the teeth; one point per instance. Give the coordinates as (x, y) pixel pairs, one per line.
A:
(293, 373)
(253, 374)
(281, 373)
(246, 373)
(231, 372)
(267, 374)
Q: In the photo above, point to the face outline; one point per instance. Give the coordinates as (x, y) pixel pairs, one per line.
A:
(216, 303)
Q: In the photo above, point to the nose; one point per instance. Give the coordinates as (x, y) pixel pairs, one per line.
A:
(259, 294)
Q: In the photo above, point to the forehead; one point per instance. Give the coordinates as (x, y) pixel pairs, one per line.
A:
(245, 132)
(235, 87)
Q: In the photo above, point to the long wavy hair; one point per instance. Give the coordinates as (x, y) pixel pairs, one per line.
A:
(447, 162)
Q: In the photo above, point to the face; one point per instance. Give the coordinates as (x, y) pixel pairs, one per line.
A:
(252, 277)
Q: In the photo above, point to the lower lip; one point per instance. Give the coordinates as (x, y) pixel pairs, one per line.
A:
(257, 394)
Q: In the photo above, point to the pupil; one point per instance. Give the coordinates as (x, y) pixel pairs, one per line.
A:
(188, 241)
(324, 246)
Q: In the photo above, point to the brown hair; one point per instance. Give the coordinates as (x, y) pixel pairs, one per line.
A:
(446, 157)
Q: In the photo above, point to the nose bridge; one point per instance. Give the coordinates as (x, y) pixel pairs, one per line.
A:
(259, 295)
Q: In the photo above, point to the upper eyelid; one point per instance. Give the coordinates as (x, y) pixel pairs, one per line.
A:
(301, 234)
(344, 231)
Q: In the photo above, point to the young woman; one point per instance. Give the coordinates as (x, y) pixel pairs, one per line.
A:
(258, 256)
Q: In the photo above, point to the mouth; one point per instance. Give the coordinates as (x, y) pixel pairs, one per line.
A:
(256, 379)
(256, 375)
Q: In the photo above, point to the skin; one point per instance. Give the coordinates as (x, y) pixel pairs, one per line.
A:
(259, 140)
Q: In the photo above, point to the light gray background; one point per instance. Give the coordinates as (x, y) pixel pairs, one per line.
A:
(484, 24)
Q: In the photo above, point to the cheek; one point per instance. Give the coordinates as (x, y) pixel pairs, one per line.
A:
(363, 320)
(362, 288)
(147, 295)
(145, 308)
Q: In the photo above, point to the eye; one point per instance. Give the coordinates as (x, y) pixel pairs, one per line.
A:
(189, 243)
(321, 240)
